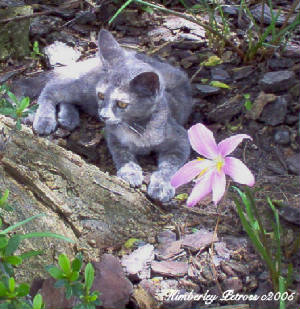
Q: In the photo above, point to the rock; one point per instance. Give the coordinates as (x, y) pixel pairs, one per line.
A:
(169, 250)
(199, 241)
(10, 3)
(205, 90)
(233, 283)
(231, 10)
(42, 25)
(170, 268)
(222, 250)
(274, 113)
(238, 267)
(14, 35)
(280, 63)
(220, 75)
(259, 103)
(295, 91)
(62, 36)
(144, 298)
(166, 236)
(292, 50)
(60, 53)
(85, 17)
(290, 213)
(293, 163)
(277, 81)
(242, 72)
(115, 289)
(55, 297)
(224, 112)
(137, 264)
(257, 12)
(282, 136)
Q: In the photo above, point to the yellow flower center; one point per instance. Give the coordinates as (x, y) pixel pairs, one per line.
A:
(219, 163)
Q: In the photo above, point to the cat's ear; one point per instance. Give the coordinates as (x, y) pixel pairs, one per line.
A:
(146, 83)
(109, 49)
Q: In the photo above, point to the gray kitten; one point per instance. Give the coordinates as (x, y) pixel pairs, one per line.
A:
(143, 102)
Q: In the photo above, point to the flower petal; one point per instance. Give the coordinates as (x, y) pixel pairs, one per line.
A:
(238, 171)
(201, 189)
(218, 186)
(227, 145)
(202, 141)
(189, 171)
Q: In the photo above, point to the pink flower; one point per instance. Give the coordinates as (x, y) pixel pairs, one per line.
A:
(210, 173)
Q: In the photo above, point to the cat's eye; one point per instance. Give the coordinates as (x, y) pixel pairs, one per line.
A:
(100, 96)
(121, 104)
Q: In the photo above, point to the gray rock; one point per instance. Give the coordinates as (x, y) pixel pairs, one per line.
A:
(243, 72)
(282, 136)
(293, 163)
(170, 268)
(62, 54)
(115, 289)
(63, 37)
(206, 90)
(231, 10)
(295, 91)
(220, 75)
(85, 17)
(169, 250)
(280, 63)
(233, 283)
(199, 241)
(166, 236)
(42, 25)
(277, 81)
(274, 113)
(9, 3)
(257, 12)
(137, 264)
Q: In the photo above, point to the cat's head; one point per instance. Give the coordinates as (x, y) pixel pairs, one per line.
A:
(130, 89)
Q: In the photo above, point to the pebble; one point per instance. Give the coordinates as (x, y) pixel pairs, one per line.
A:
(293, 163)
(42, 25)
(220, 75)
(277, 81)
(280, 63)
(259, 8)
(274, 113)
(170, 268)
(206, 90)
(166, 236)
(282, 136)
(243, 72)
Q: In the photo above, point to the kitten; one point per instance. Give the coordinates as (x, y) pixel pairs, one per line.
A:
(142, 101)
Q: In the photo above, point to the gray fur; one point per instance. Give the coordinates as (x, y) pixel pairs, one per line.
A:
(158, 99)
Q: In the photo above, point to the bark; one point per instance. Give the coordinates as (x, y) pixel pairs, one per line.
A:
(81, 202)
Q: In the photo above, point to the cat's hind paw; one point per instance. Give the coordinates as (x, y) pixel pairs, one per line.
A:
(131, 173)
(160, 189)
(44, 125)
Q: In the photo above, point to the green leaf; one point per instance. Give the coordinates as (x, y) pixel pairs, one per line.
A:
(24, 103)
(212, 61)
(13, 244)
(77, 263)
(89, 274)
(182, 197)
(4, 198)
(12, 97)
(54, 272)
(3, 289)
(12, 227)
(68, 292)
(11, 284)
(130, 242)
(64, 263)
(37, 301)
(31, 253)
(74, 276)
(23, 289)
(3, 242)
(13, 260)
(216, 83)
(46, 234)
(60, 283)
(18, 124)
(248, 105)
(7, 111)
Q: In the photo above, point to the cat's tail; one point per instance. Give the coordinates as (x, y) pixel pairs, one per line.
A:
(30, 86)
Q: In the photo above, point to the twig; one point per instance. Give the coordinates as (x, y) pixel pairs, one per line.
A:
(196, 21)
(196, 73)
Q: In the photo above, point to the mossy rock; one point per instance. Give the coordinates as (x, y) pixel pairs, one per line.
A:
(14, 35)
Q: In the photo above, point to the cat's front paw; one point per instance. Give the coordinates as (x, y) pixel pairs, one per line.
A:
(160, 189)
(131, 173)
(44, 125)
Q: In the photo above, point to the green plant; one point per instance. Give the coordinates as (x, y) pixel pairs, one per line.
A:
(68, 276)
(35, 54)
(270, 252)
(247, 103)
(12, 294)
(15, 108)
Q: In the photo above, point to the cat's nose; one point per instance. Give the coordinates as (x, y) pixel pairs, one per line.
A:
(105, 114)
